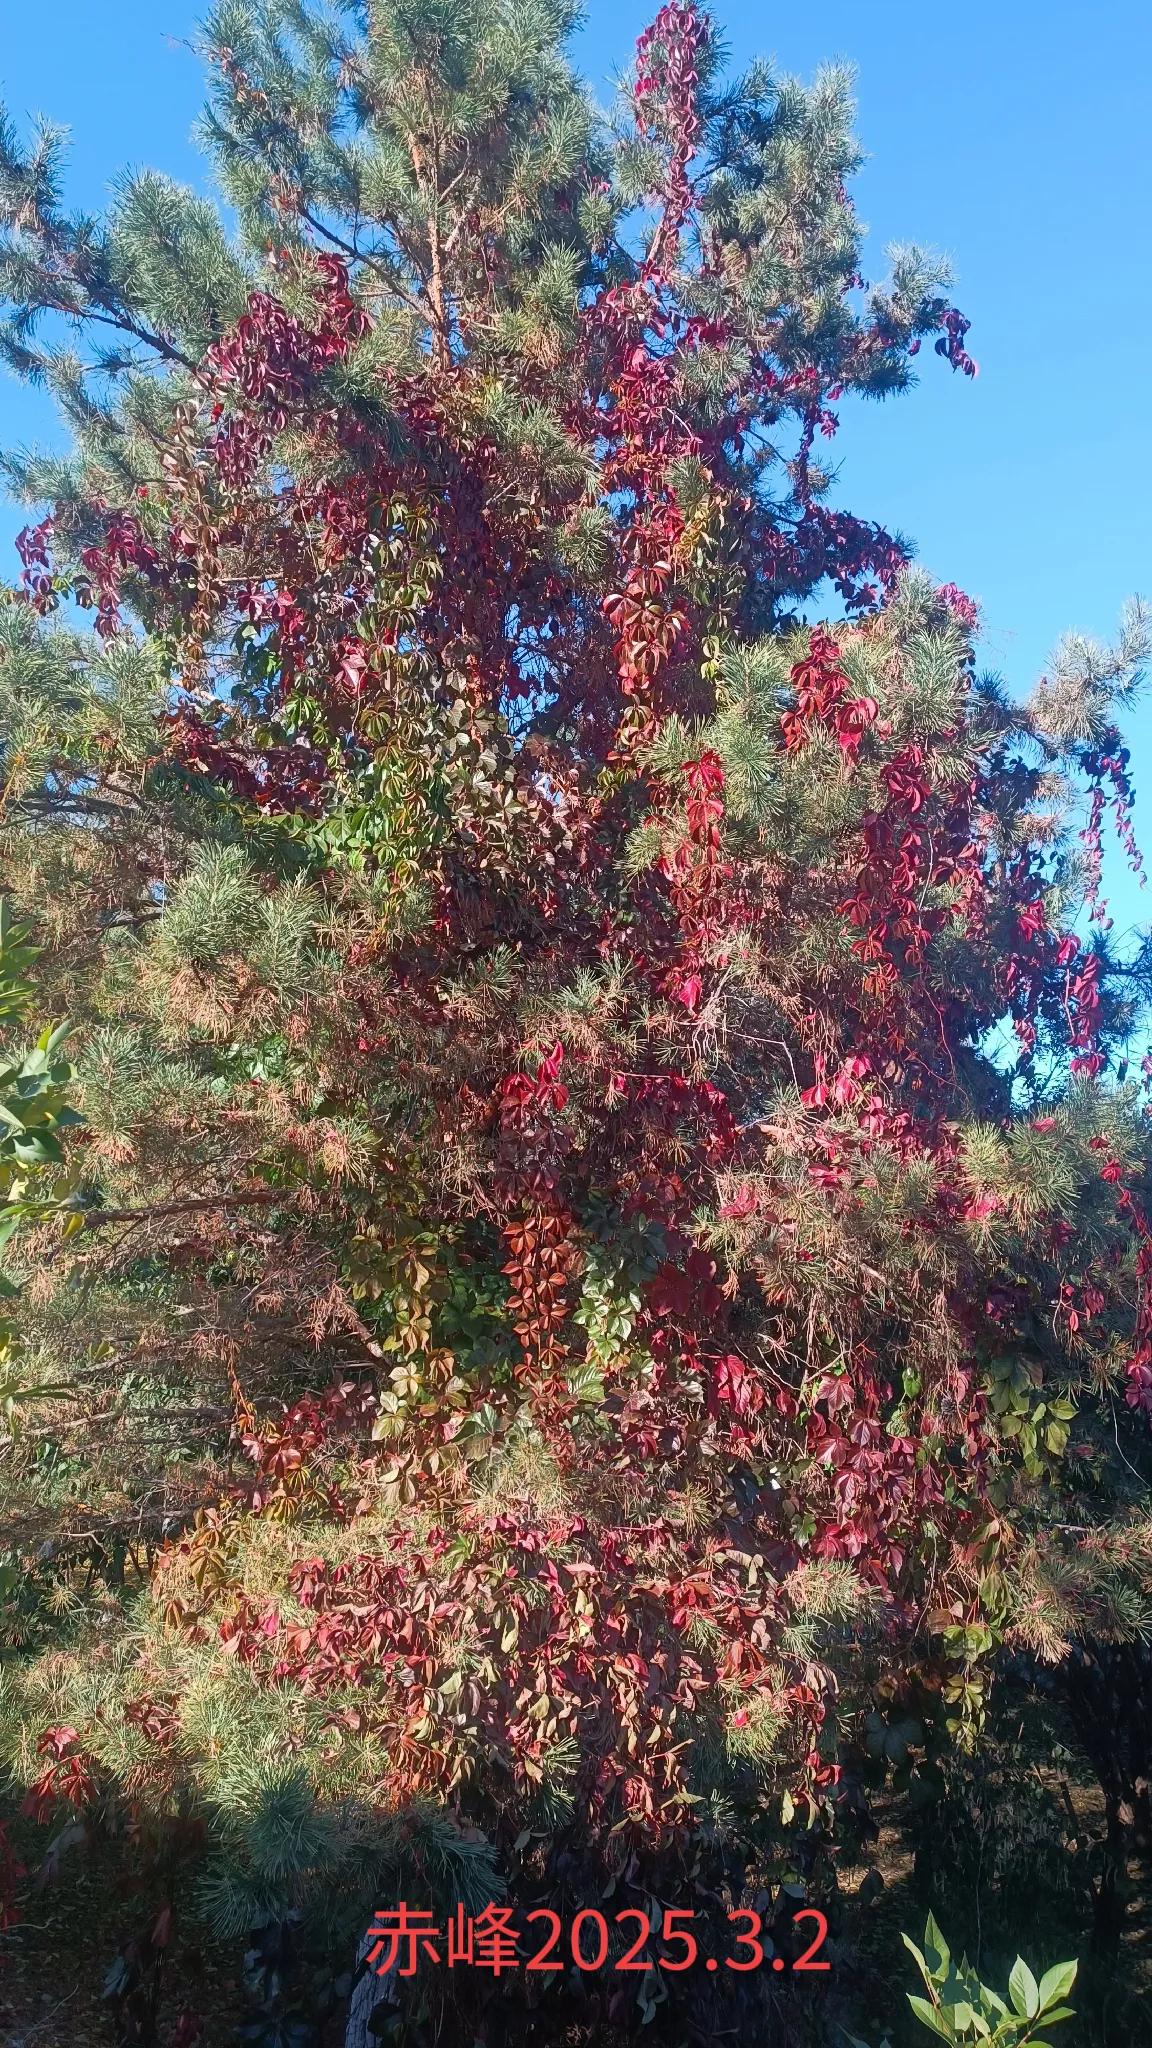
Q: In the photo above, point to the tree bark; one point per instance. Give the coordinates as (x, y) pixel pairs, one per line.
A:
(368, 1993)
(1109, 1692)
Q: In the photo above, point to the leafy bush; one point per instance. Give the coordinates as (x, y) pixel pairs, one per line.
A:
(959, 2008)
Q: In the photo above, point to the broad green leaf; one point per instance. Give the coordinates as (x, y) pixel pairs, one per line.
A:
(910, 1945)
(934, 1940)
(1023, 1990)
(1056, 1983)
(930, 2018)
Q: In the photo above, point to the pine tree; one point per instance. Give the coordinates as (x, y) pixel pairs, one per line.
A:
(611, 1228)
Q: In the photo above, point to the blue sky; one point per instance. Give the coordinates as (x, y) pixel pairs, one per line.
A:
(1012, 136)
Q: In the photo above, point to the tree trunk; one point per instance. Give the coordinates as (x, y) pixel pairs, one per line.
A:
(1109, 1691)
(368, 1993)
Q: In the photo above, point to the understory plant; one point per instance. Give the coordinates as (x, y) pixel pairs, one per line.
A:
(959, 2008)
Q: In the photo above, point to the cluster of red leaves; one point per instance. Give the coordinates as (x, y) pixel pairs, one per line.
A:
(951, 342)
(697, 873)
(1138, 1392)
(963, 608)
(822, 699)
(283, 1450)
(667, 56)
(69, 1779)
(1106, 766)
(278, 780)
(533, 1145)
(34, 547)
(883, 1489)
(530, 1640)
(270, 360)
(122, 548)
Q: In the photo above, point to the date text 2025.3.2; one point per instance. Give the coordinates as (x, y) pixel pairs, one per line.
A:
(403, 1937)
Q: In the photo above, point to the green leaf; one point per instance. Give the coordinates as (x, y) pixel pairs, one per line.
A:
(1056, 1983)
(930, 2018)
(910, 1945)
(934, 1940)
(1023, 1990)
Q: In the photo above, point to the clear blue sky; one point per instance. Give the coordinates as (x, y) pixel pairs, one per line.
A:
(1010, 134)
